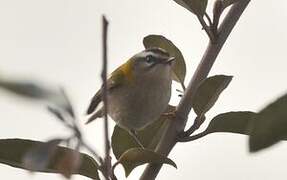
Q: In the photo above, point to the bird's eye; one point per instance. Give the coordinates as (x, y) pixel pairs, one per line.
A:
(150, 59)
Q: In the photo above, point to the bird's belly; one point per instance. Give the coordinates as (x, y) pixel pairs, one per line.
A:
(138, 108)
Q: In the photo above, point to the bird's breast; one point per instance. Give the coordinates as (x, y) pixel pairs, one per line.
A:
(139, 104)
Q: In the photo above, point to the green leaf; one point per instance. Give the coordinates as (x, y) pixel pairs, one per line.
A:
(208, 92)
(138, 156)
(270, 126)
(197, 7)
(149, 137)
(38, 92)
(122, 141)
(232, 122)
(13, 151)
(179, 69)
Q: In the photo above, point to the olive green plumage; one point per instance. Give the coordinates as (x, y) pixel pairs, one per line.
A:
(138, 91)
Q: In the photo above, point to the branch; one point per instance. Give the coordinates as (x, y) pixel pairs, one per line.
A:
(196, 125)
(177, 125)
(105, 100)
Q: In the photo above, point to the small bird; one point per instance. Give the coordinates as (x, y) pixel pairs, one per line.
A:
(138, 91)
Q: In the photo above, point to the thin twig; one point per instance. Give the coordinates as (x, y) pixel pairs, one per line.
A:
(182, 85)
(105, 100)
(206, 29)
(113, 170)
(177, 125)
(196, 125)
(208, 19)
(192, 138)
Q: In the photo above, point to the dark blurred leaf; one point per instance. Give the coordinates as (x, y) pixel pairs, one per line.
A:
(179, 69)
(38, 157)
(208, 93)
(12, 152)
(138, 156)
(27, 89)
(270, 126)
(38, 92)
(67, 103)
(197, 7)
(56, 112)
(69, 163)
(149, 137)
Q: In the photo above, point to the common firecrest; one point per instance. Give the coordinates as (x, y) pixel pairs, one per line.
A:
(138, 91)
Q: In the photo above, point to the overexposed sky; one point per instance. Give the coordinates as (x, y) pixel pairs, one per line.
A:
(58, 42)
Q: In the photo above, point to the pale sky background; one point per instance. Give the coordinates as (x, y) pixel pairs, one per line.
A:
(58, 42)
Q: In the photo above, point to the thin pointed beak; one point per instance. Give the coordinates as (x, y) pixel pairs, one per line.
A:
(170, 60)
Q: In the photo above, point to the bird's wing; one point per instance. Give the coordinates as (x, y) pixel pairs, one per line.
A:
(95, 101)
(116, 79)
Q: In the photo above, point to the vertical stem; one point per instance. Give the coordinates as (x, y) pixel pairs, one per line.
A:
(105, 100)
(177, 124)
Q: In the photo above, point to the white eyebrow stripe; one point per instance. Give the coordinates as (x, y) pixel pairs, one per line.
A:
(148, 53)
